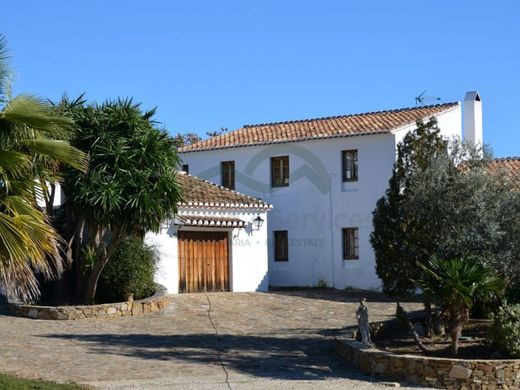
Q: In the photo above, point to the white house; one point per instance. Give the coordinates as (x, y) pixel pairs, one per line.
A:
(216, 242)
(323, 177)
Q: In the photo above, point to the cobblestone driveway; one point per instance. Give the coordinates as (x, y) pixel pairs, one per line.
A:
(272, 340)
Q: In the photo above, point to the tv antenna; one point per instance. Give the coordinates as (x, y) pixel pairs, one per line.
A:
(423, 99)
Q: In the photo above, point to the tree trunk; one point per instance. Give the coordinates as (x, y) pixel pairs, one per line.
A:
(414, 334)
(49, 196)
(459, 314)
(103, 242)
(429, 316)
(90, 286)
(456, 330)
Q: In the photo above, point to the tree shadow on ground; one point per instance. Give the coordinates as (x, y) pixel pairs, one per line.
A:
(306, 357)
(3, 304)
(329, 294)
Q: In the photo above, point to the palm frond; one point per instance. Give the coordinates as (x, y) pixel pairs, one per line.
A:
(13, 164)
(5, 73)
(27, 243)
(59, 150)
(33, 113)
(28, 155)
(458, 281)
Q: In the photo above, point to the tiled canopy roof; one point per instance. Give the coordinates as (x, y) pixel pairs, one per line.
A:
(330, 127)
(210, 221)
(511, 166)
(197, 192)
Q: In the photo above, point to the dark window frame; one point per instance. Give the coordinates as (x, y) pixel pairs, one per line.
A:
(353, 165)
(225, 176)
(280, 176)
(350, 249)
(282, 247)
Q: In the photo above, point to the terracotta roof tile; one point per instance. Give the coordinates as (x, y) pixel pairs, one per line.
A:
(212, 221)
(511, 166)
(197, 192)
(329, 127)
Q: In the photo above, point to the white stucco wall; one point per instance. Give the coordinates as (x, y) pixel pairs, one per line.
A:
(317, 204)
(449, 122)
(248, 250)
(165, 241)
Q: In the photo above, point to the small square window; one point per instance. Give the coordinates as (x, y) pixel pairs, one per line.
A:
(350, 244)
(281, 245)
(280, 171)
(350, 165)
(227, 169)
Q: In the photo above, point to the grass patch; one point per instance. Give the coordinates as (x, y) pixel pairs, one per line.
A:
(14, 383)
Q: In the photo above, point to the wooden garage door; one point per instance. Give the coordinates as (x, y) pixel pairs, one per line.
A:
(203, 261)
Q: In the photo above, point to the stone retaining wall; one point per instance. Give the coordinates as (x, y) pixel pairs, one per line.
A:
(156, 302)
(430, 371)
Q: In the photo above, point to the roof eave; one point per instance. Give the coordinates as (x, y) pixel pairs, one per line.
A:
(276, 142)
(332, 136)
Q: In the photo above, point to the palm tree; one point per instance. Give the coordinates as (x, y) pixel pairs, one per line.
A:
(129, 189)
(454, 285)
(28, 132)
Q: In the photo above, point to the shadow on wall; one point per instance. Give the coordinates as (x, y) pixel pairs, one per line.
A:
(308, 356)
(263, 286)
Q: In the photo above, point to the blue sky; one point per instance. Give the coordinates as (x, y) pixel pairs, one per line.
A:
(211, 64)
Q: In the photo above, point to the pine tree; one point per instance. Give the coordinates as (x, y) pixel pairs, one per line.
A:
(397, 241)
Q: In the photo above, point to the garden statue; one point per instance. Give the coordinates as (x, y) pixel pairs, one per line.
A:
(363, 324)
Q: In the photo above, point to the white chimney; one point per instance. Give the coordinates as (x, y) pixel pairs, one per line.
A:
(472, 114)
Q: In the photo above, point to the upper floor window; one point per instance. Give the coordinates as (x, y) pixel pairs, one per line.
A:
(185, 168)
(227, 169)
(350, 165)
(280, 171)
(281, 245)
(350, 244)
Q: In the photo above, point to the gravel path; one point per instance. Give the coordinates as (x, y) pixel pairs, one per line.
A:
(254, 340)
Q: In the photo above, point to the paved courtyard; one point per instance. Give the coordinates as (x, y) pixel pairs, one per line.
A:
(219, 340)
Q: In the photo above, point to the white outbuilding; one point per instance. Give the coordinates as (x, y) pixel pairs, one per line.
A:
(216, 242)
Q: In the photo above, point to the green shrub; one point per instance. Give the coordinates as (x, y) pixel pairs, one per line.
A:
(513, 293)
(505, 332)
(130, 270)
(322, 283)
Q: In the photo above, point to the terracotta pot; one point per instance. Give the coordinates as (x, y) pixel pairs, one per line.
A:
(129, 297)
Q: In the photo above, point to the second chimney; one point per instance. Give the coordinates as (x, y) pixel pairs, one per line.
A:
(472, 114)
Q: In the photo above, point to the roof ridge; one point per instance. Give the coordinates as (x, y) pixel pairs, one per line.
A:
(248, 126)
(225, 188)
(506, 158)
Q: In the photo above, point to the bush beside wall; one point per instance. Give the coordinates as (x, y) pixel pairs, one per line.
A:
(130, 270)
(505, 332)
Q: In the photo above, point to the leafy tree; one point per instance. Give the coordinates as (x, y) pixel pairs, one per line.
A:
(216, 133)
(28, 132)
(454, 285)
(129, 189)
(192, 138)
(467, 210)
(397, 241)
(187, 138)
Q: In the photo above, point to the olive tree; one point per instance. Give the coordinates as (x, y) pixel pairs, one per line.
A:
(469, 210)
